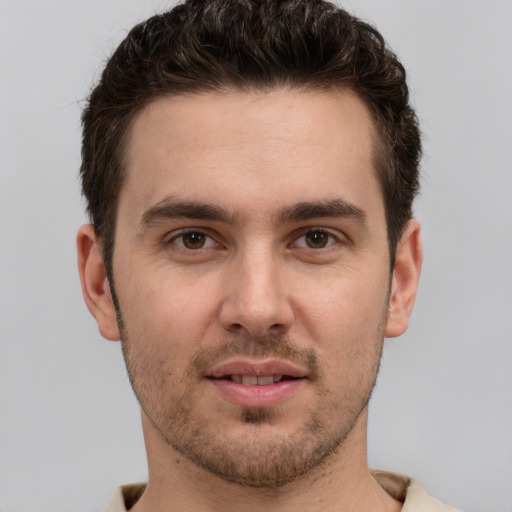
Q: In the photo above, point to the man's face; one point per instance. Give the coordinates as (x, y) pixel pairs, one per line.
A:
(252, 273)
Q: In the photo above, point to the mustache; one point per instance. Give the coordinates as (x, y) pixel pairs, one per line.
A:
(271, 345)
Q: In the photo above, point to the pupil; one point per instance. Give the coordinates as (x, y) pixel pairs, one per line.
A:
(193, 240)
(317, 239)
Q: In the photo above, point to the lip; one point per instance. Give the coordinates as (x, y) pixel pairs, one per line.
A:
(259, 396)
(257, 368)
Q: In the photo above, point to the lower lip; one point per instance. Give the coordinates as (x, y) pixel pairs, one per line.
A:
(257, 396)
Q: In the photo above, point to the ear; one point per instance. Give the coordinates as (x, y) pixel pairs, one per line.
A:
(404, 285)
(95, 286)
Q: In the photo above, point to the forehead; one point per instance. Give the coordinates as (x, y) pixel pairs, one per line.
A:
(261, 144)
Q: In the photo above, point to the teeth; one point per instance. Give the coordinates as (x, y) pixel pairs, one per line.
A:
(252, 380)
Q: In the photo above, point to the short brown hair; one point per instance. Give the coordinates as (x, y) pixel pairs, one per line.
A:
(246, 45)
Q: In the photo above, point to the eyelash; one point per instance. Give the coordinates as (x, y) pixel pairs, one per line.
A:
(210, 241)
(331, 238)
(325, 236)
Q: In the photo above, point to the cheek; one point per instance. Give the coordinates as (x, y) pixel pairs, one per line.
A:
(346, 307)
(167, 311)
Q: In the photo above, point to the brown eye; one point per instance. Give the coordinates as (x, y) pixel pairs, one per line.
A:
(316, 239)
(193, 240)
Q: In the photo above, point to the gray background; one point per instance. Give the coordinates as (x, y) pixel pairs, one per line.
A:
(442, 411)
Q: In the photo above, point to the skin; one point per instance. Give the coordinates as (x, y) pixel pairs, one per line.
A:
(255, 278)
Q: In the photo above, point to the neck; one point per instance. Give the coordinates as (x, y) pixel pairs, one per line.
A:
(342, 482)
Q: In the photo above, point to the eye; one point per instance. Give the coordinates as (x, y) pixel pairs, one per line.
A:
(193, 240)
(315, 239)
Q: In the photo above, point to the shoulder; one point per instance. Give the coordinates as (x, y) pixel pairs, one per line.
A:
(124, 497)
(409, 491)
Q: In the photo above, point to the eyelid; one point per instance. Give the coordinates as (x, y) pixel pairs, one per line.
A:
(338, 238)
(171, 238)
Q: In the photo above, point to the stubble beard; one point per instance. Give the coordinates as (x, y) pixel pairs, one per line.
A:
(260, 458)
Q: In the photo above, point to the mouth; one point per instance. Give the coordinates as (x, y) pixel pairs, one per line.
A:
(256, 380)
(257, 383)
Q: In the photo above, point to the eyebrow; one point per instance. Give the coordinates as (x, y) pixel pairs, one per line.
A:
(313, 209)
(170, 208)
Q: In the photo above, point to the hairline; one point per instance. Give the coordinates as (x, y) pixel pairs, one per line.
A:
(380, 150)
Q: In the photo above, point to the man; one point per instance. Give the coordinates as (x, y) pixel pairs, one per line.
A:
(249, 168)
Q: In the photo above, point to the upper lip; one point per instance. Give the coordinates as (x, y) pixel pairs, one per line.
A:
(257, 368)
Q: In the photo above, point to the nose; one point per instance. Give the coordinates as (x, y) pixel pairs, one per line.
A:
(256, 300)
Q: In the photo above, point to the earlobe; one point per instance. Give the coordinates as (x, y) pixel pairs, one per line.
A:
(95, 285)
(404, 284)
